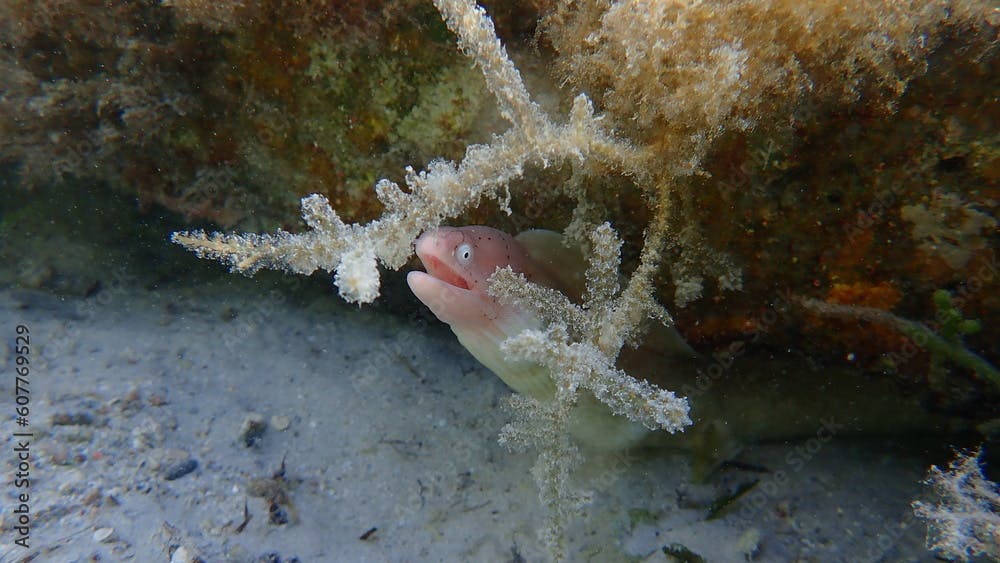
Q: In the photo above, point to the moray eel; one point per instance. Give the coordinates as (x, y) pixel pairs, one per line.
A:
(768, 398)
(459, 262)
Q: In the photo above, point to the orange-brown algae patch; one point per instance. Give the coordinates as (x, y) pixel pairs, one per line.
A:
(709, 331)
(880, 296)
(860, 341)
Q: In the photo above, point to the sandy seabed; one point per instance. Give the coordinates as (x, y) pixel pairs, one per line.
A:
(227, 422)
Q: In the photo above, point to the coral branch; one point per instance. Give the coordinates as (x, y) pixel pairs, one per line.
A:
(582, 342)
(478, 39)
(544, 427)
(920, 334)
(442, 191)
(577, 365)
(964, 522)
(514, 289)
(637, 302)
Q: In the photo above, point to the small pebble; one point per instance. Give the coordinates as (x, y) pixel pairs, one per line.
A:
(181, 469)
(176, 463)
(72, 419)
(749, 544)
(102, 535)
(280, 422)
(252, 429)
(74, 481)
(184, 555)
(147, 434)
(129, 355)
(92, 497)
(58, 454)
(130, 402)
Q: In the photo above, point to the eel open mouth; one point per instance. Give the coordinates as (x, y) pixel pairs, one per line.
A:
(438, 269)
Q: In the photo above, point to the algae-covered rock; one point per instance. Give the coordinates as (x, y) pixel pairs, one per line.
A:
(845, 152)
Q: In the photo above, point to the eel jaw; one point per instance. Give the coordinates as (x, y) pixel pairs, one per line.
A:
(449, 303)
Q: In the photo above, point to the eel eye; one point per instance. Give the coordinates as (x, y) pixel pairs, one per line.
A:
(464, 253)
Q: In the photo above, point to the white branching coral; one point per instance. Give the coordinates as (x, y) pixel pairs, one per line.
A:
(964, 522)
(543, 426)
(442, 191)
(579, 347)
(579, 365)
(581, 353)
(581, 343)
